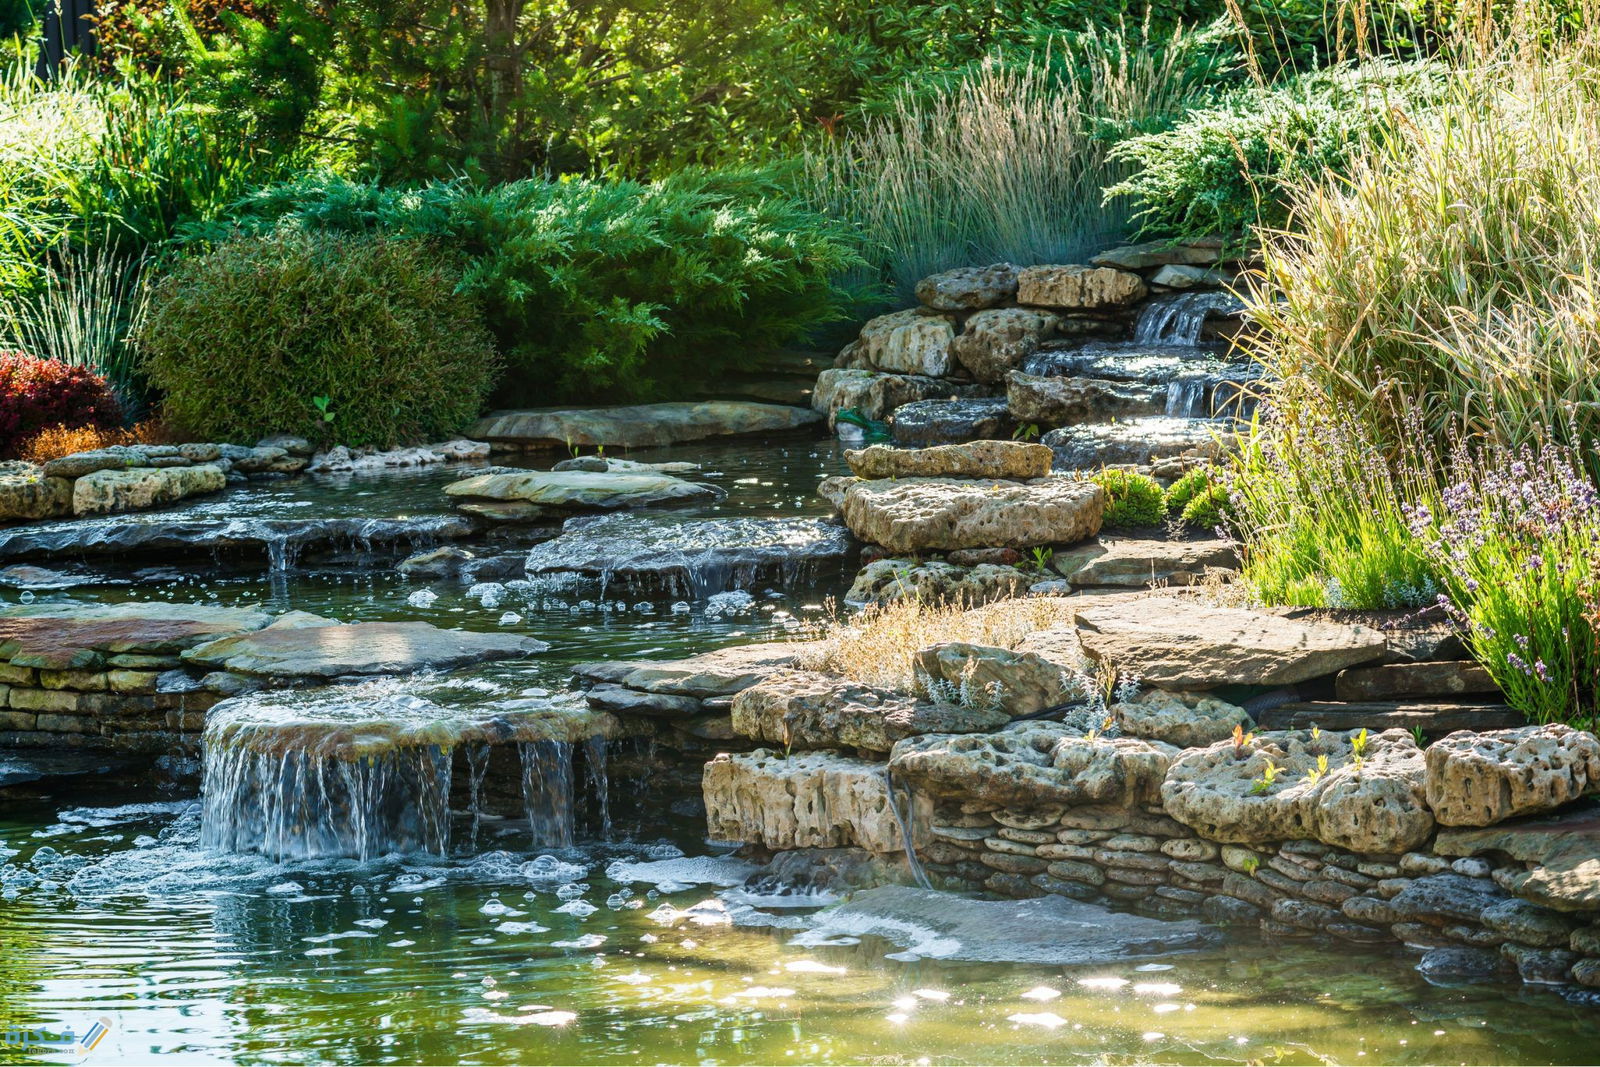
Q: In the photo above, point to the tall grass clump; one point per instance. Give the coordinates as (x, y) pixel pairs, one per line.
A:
(1003, 162)
(1454, 277)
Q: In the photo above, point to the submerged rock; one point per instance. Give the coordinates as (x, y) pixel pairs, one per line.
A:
(333, 650)
(1049, 930)
(1031, 764)
(653, 554)
(1478, 779)
(638, 426)
(943, 514)
(1014, 460)
(805, 800)
(807, 710)
(1182, 643)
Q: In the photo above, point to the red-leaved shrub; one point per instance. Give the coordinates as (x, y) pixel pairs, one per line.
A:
(39, 393)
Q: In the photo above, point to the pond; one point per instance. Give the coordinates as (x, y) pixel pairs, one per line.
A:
(637, 946)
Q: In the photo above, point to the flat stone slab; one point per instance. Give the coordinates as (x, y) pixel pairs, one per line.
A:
(1435, 720)
(1015, 460)
(582, 490)
(1048, 930)
(188, 537)
(22, 768)
(1135, 441)
(1564, 849)
(1180, 643)
(78, 636)
(638, 425)
(1134, 563)
(938, 422)
(336, 650)
(722, 672)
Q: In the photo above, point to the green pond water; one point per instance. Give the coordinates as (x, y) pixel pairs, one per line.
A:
(625, 950)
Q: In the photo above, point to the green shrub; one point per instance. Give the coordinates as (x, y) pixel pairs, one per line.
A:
(607, 289)
(1234, 166)
(1131, 499)
(357, 339)
(1197, 499)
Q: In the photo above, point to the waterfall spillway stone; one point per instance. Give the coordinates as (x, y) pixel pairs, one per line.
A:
(361, 771)
(668, 555)
(1178, 319)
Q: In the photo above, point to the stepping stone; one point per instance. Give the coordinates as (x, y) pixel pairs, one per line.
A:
(336, 650)
(938, 422)
(639, 425)
(1136, 442)
(1013, 460)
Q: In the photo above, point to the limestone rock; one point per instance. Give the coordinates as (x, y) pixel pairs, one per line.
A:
(333, 651)
(1225, 794)
(807, 710)
(1181, 644)
(805, 800)
(106, 492)
(116, 457)
(969, 288)
(1435, 897)
(638, 425)
(26, 493)
(1184, 276)
(1028, 764)
(1135, 442)
(876, 394)
(913, 341)
(1015, 460)
(1051, 401)
(1478, 779)
(624, 701)
(937, 422)
(1562, 852)
(443, 562)
(1137, 564)
(1398, 681)
(997, 341)
(918, 514)
(79, 636)
(1530, 924)
(1076, 288)
(1187, 720)
(934, 582)
(581, 490)
(1022, 682)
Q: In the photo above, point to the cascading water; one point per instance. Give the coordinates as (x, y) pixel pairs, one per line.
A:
(365, 770)
(1178, 319)
(595, 752)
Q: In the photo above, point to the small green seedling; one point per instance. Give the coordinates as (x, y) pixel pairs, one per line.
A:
(1269, 775)
(322, 403)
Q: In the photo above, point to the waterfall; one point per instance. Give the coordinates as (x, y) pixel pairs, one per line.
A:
(599, 780)
(1178, 319)
(477, 767)
(294, 804)
(1186, 397)
(547, 791)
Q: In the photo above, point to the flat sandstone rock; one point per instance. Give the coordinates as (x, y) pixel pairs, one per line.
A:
(332, 651)
(638, 425)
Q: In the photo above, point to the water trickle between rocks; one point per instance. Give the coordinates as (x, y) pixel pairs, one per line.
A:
(1178, 319)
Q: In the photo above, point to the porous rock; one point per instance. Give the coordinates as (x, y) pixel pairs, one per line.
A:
(804, 800)
(1478, 779)
(808, 710)
(1188, 720)
(913, 515)
(997, 341)
(969, 288)
(1017, 460)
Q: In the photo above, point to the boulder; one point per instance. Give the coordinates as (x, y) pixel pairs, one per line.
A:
(1015, 460)
(994, 342)
(934, 582)
(1181, 643)
(914, 515)
(106, 492)
(1223, 792)
(638, 425)
(443, 562)
(1030, 764)
(875, 394)
(1022, 682)
(1136, 564)
(581, 490)
(914, 341)
(1074, 287)
(938, 422)
(1050, 401)
(1187, 720)
(805, 800)
(807, 710)
(1135, 442)
(337, 650)
(1157, 254)
(26, 494)
(969, 288)
(1478, 779)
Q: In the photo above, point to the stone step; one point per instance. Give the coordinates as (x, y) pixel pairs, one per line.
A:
(1436, 719)
(1450, 678)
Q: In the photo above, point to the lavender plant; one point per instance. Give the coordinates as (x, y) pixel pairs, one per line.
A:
(1516, 541)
